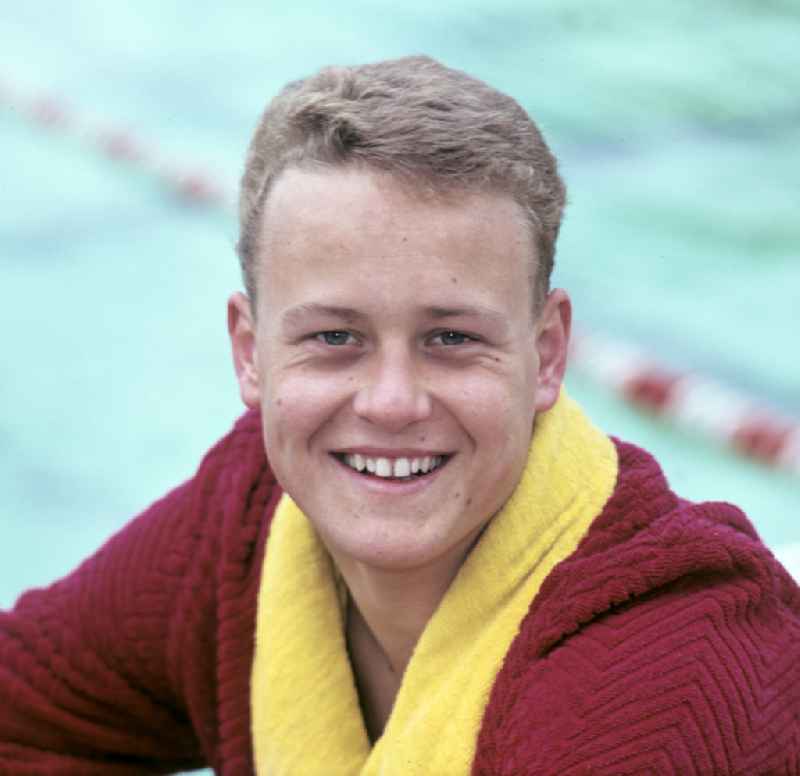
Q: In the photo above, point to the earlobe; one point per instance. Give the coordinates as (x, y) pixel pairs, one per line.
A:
(552, 343)
(242, 333)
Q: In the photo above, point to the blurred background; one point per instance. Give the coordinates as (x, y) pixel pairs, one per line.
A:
(678, 128)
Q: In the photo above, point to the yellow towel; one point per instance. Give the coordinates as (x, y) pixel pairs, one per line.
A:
(306, 717)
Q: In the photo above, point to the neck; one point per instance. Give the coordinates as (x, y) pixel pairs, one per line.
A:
(396, 605)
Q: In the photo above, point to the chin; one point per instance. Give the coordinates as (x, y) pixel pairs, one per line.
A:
(406, 550)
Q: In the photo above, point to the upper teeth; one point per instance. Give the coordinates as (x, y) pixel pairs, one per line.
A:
(393, 467)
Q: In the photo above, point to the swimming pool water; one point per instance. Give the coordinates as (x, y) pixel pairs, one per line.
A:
(679, 136)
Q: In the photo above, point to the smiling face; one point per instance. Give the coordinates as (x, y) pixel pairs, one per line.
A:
(396, 360)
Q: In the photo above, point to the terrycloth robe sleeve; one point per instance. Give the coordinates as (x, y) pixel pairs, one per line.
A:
(115, 669)
(668, 644)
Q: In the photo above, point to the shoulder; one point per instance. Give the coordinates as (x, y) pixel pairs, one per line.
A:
(234, 482)
(152, 635)
(239, 454)
(668, 642)
(233, 491)
(231, 500)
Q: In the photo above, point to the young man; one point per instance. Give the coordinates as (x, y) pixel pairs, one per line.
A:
(413, 554)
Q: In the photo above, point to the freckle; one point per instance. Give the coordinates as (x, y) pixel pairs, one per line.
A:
(457, 496)
(469, 501)
(454, 280)
(279, 402)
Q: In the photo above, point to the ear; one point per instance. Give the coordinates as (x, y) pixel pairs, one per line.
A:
(552, 342)
(242, 331)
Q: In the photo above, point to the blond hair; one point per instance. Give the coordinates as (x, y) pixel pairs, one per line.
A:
(435, 128)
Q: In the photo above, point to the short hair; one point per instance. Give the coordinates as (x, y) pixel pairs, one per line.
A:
(438, 129)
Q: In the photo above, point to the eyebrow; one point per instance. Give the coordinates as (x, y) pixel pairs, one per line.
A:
(296, 315)
(466, 311)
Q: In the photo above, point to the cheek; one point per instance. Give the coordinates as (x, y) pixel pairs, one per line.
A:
(297, 406)
(499, 411)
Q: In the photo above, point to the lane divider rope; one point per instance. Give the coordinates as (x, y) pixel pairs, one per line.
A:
(189, 184)
(691, 401)
(696, 403)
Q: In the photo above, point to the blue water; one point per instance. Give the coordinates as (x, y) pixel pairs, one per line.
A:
(680, 141)
(678, 126)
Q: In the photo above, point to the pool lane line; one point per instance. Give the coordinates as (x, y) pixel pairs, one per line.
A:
(190, 184)
(693, 402)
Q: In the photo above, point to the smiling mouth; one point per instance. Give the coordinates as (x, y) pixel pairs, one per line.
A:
(392, 468)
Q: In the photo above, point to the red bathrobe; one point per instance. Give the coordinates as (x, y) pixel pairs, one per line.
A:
(668, 643)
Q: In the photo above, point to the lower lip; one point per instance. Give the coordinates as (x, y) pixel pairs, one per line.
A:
(389, 485)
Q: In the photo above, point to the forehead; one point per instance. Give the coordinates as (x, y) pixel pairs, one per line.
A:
(346, 225)
(308, 195)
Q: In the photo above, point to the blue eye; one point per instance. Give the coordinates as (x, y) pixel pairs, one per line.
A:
(453, 338)
(335, 338)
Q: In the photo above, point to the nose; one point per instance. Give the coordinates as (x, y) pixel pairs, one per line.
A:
(393, 395)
